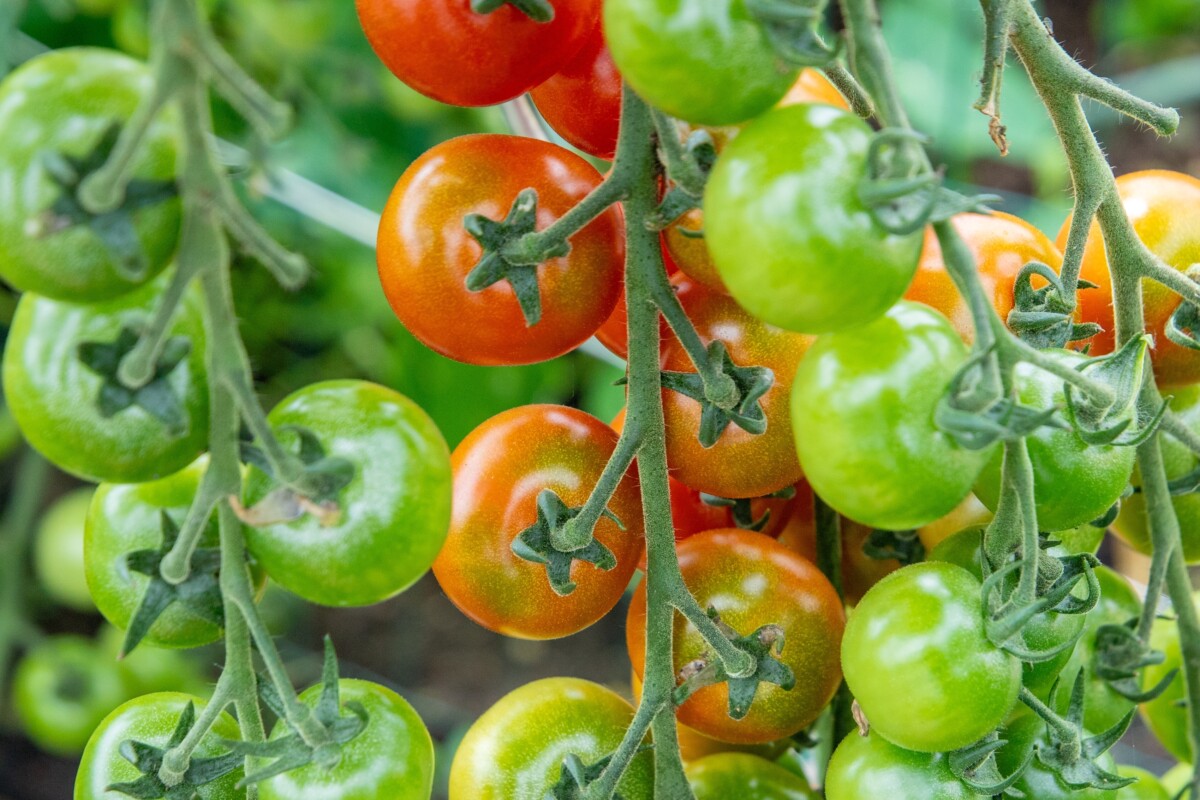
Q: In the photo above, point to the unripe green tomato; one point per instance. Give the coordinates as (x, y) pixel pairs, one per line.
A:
(1167, 714)
(872, 768)
(58, 551)
(745, 777)
(1176, 778)
(151, 669)
(1147, 787)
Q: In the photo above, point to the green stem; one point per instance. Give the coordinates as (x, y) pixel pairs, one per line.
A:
(829, 542)
(532, 247)
(138, 365)
(844, 82)
(682, 169)
(578, 532)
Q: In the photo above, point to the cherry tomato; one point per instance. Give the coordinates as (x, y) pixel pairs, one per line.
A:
(393, 515)
(1147, 787)
(752, 580)
(686, 244)
(499, 471)
(58, 551)
(64, 102)
(450, 53)
(582, 102)
(1164, 208)
(392, 759)
(739, 464)
(1025, 733)
(872, 767)
(969, 512)
(516, 750)
(425, 253)
(746, 777)
(1167, 714)
(916, 640)
(152, 669)
(812, 86)
(863, 407)
(789, 235)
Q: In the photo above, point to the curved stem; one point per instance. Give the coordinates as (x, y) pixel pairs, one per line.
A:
(532, 248)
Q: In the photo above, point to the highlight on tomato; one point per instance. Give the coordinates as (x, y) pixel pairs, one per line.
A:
(582, 101)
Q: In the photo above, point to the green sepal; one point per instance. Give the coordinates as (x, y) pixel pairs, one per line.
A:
(1183, 326)
(1123, 372)
(1120, 657)
(537, 10)
(903, 546)
(791, 27)
(976, 417)
(975, 765)
(324, 476)
(157, 397)
(741, 510)
(1007, 615)
(1072, 757)
(701, 152)
(746, 412)
(1042, 317)
(535, 543)
(576, 776)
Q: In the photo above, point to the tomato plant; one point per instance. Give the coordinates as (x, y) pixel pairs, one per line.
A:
(745, 776)
(582, 101)
(871, 766)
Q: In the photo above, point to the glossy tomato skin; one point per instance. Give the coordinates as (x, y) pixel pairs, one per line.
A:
(1001, 244)
(1167, 714)
(1164, 208)
(916, 640)
(872, 767)
(1074, 483)
(394, 513)
(1147, 787)
(425, 253)
(746, 777)
(582, 101)
(63, 102)
(863, 406)
(499, 470)
(151, 719)
(450, 53)
(752, 580)
(515, 751)
(1023, 734)
(739, 464)
(706, 63)
(791, 239)
(58, 551)
(392, 758)
(52, 395)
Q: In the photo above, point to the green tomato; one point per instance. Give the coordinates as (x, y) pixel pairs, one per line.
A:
(706, 62)
(63, 102)
(61, 691)
(1167, 714)
(1146, 788)
(151, 719)
(788, 233)
(515, 751)
(151, 669)
(1074, 483)
(872, 768)
(863, 405)
(1178, 777)
(394, 514)
(392, 759)
(53, 395)
(1024, 734)
(58, 551)
(746, 777)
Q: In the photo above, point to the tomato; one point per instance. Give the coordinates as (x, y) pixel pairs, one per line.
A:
(1167, 714)
(752, 580)
(126, 518)
(582, 102)
(739, 464)
(969, 512)
(425, 253)
(58, 551)
(64, 102)
(1146, 788)
(863, 407)
(614, 333)
(916, 640)
(786, 227)
(499, 471)
(61, 691)
(450, 53)
(1176, 778)
(1164, 208)
(812, 86)
(1001, 244)
(53, 395)
(1131, 523)
(151, 719)
(515, 751)
(1074, 483)
(685, 241)
(1025, 733)
(152, 669)
(747, 777)
(391, 758)
(872, 767)
(394, 514)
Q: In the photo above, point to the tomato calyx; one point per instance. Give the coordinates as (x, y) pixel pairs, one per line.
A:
(902, 546)
(577, 776)
(536, 543)
(735, 399)
(1184, 323)
(791, 28)
(1105, 422)
(688, 165)
(741, 509)
(314, 491)
(156, 397)
(1009, 611)
(537, 10)
(976, 415)
(1121, 655)
(975, 765)
(1044, 318)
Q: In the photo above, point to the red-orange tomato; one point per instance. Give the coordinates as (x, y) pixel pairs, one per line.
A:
(614, 333)
(1164, 208)
(739, 464)
(450, 53)
(425, 253)
(1001, 244)
(499, 470)
(752, 580)
(583, 101)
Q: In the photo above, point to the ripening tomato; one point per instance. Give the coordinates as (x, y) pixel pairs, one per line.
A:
(752, 580)
(449, 52)
(1164, 208)
(740, 464)
(746, 777)
(969, 512)
(789, 235)
(1001, 244)
(812, 86)
(1167, 714)
(582, 102)
(871, 767)
(499, 471)
(425, 253)
(685, 241)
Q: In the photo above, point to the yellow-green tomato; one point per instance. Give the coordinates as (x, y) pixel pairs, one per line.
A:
(58, 551)
(1167, 714)
(1177, 778)
(745, 777)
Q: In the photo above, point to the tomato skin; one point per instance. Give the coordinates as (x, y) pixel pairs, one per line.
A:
(1176, 778)
(392, 759)
(152, 719)
(863, 406)
(64, 101)
(969, 512)
(515, 750)
(450, 53)
(739, 464)
(872, 767)
(752, 580)
(812, 86)
(1146, 788)
(787, 230)
(1167, 714)
(1164, 208)
(499, 470)
(1077, 483)
(425, 253)
(582, 102)
(58, 551)
(745, 776)
(1025, 733)
(690, 251)
(916, 640)
(52, 395)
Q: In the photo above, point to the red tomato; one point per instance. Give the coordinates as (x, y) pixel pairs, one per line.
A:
(583, 101)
